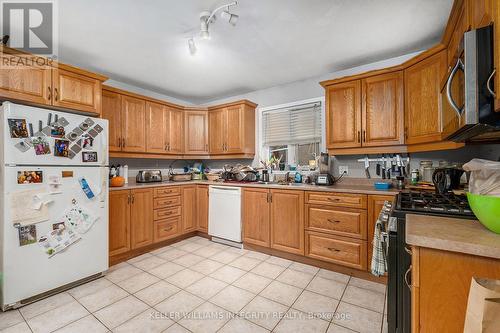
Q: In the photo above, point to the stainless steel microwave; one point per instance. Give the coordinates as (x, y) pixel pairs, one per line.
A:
(475, 71)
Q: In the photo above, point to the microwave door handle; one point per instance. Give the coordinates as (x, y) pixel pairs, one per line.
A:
(458, 65)
(488, 84)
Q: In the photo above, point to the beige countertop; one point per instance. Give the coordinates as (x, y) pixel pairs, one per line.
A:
(344, 186)
(452, 234)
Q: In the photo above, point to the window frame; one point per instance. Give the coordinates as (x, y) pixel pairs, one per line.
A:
(263, 151)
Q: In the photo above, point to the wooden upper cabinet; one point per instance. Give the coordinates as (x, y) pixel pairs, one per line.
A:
(234, 129)
(462, 25)
(157, 127)
(175, 131)
(111, 110)
(287, 221)
(217, 130)
(422, 99)
(202, 209)
(231, 129)
(141, 218)
(74, 91)
(133, 124)
(481, 12)
(343, 115)
(195, 132)
(256, 216)
(383, 110)
(189, 208)
(119, 222)
(28, 83)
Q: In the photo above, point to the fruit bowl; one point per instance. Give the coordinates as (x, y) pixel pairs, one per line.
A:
(487, 210)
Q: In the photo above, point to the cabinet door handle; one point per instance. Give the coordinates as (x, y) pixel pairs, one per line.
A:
(56, 94)
(333, 249)
(128, 199)
(334, 199)
(206, 146)
(168, 229)
(133, 198)
(488, 84)
(123, 143)
(359, 136)
(364, 135)
(406, 277)
(50, 93)
(333, 221)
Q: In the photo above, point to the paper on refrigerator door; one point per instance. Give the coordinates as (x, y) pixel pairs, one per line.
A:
(27, 208)
(80, 219)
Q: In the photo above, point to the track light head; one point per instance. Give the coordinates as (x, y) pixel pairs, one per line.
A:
(230, 18)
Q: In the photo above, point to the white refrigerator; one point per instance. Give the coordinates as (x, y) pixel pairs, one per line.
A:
(53, 201)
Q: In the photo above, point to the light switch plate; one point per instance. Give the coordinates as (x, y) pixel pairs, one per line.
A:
(343, 169)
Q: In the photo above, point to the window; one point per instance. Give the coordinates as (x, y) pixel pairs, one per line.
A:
(293, 134)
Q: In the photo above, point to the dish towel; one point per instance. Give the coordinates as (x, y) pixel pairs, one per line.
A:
(378, 264)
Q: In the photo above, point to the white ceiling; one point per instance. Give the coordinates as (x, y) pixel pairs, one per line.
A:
(143, 43)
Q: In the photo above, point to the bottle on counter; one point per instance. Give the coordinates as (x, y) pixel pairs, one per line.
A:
(298, 177)
(125, 173)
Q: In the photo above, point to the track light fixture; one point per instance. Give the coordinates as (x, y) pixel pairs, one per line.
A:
(207, 18)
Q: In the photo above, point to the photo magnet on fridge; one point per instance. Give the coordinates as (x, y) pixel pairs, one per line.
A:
(88, 141)
(29, 177)
(57, 131)
(27, 235)
(41, 145)
(61, 148)
(89, 156)
(76, 149)
(18, 128)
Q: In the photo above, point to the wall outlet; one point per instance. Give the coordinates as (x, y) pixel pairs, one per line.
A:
(343, 169)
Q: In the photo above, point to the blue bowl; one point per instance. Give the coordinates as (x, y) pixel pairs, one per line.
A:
(382, 186)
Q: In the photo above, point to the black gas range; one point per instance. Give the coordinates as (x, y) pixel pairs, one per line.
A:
(399, 254)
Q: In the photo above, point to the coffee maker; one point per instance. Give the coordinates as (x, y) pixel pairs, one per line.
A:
(324, 178)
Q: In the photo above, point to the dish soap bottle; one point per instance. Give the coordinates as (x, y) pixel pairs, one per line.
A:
(298, 177)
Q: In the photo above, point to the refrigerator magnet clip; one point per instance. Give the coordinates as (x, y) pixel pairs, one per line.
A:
(86, 188)
(22, 146)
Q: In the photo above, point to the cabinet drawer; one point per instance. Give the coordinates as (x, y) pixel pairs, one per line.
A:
(340, 221)
(337, 199)
(166, 202)
(166, 229)
(167, 212)
(339, 250)
(167, 191)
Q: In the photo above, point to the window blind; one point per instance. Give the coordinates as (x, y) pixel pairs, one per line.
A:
(299, 124)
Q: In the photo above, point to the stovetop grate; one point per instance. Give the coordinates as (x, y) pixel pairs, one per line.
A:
(429, 202)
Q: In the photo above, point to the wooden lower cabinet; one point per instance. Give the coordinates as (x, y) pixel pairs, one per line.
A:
(166, 229)
(336, 220)
(202, 200)
(256, 216)
(338, 250)
(119, 222)
(189, 208)
(375, 204)
(440, 283)
(141, 218)
(287, 221)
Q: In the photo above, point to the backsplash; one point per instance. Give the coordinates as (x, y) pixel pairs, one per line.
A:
(356, 169)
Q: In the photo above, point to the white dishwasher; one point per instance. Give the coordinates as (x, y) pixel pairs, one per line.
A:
(224, 214)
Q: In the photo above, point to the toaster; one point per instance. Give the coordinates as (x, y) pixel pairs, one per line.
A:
(148, 176)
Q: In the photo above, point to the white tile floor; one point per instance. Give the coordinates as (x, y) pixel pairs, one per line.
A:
(199, 286)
